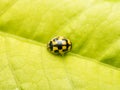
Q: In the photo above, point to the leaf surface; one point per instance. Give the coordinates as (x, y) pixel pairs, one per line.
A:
(93, 27)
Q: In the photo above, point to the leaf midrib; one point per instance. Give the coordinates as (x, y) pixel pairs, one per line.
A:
(44, 45)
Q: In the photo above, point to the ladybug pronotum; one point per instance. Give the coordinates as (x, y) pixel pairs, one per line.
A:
(59, 45)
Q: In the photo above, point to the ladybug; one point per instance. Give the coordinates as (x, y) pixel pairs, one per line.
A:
(59, 45)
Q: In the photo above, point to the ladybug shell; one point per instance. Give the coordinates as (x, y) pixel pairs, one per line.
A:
(59, 45)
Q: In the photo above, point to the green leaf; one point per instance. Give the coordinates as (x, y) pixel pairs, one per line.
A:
(27, 25)
(27, 65)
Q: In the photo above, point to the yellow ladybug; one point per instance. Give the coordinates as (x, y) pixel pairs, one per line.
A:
(59, 45)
